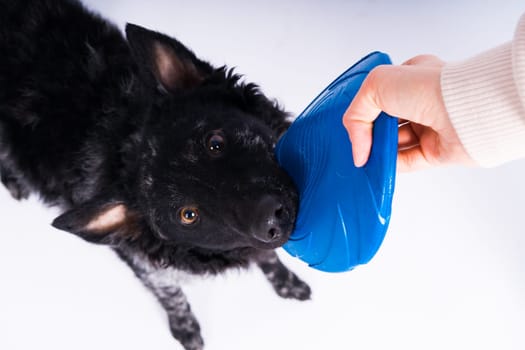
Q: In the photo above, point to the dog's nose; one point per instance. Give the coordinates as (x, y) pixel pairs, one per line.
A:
(269, 214)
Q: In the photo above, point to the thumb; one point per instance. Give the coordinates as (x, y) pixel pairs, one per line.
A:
(360, 115)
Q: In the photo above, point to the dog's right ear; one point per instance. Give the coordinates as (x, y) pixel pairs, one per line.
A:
(164, 61)
(102, 222)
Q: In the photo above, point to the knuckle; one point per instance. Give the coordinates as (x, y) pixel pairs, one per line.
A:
(424, 59)
(374, 83)
(376, 74)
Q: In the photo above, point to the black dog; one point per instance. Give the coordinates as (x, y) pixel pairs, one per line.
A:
(145, 147)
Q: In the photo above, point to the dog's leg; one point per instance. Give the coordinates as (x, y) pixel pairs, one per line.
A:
(284, 281)
(162, 282)
(14, 184)
(183, 324)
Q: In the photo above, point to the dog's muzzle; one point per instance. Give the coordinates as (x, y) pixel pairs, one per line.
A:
(271, 220)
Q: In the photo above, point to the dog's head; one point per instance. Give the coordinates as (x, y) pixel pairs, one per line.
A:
(201, 172)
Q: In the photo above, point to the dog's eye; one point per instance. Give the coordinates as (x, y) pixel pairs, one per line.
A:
(188, 215)
(215, 143)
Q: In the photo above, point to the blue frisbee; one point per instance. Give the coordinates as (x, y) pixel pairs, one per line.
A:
(344, 211)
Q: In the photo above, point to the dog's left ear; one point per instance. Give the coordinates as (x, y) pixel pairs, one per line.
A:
(102, 222)
(164, 61)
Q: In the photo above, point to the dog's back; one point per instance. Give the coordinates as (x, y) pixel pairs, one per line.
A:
(62, 71)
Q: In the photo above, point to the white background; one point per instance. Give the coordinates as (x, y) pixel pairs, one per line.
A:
(450, 274)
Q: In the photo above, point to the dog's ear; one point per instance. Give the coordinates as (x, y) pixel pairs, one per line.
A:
(102, 222)
(164, 61)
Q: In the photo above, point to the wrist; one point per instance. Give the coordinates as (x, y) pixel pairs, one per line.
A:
(483, 104)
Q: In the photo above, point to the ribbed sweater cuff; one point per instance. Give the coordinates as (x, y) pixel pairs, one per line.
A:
(482, 100)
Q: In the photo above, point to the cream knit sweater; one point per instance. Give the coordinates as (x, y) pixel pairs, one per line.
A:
(485, 98)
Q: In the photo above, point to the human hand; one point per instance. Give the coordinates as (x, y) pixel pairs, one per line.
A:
(411, 92)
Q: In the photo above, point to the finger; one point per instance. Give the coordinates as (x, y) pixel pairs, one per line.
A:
(360, 134)
(411, 159)
(359, 117)
(407, 137)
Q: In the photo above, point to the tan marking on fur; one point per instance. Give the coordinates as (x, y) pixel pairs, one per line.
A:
(109, 220)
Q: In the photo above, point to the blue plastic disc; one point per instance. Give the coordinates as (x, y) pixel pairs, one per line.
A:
(344, 211)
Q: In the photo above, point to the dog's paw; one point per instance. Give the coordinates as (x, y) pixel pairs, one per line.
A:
(187, 332)
(15, 187)
(293, 288)
(285, 283)
(192, 342)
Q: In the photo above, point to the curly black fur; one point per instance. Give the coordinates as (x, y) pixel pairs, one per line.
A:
(145, 147)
